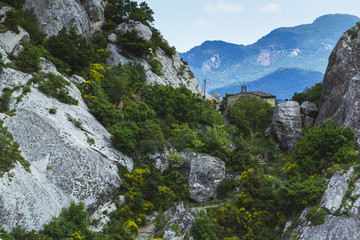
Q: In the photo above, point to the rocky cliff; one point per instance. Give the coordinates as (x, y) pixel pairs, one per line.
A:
(70, 153)
(340, 94)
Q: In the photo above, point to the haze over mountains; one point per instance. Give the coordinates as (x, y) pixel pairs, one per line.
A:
(283, 62)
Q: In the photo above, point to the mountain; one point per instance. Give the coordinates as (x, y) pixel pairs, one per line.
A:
(292, 79)
(305, 46)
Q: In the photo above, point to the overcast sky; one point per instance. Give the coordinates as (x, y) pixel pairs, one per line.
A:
(188, 23)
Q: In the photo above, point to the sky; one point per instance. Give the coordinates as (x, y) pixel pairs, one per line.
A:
(188, 23)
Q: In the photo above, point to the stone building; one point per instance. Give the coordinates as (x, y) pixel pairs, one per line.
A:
(258, 94)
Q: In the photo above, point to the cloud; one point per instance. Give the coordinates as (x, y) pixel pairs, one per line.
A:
(223, 7)
(271, 8)
(201, 23)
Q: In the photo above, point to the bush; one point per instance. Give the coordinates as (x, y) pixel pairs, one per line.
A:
(312, 94)
(29, 58)
(56, 87)
(204, 229)
(250, 114)
(12, 21)
(73, 49)
(5, 100)
(29, 24)
(323, 145)
(132, 42)
(17, 4)
(316, 215)
(2, 64)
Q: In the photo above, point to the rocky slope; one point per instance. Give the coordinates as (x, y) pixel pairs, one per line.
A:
(70, 153)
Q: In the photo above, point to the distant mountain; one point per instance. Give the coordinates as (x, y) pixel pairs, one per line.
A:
(305, 47)
(283, 83)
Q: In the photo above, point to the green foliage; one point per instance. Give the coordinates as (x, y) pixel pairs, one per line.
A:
(2, 64)
(132, 42)
(159, 43)
(119, 11)
(12, 21)
(250, 114)
(9, 152)
(184, 137)
(316, 215)
(312, 94)
(5, 100)
(155, 65)
(323, 145)
(29, 59)
(29, 24)
(216, 142)
(298, 193)
(204, 229)
(70, 221)
(72, 49)
(17, 4)
(56, 87)
(53, 110)
(225, 187)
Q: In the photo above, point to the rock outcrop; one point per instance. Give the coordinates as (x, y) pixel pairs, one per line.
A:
(179, 222)
(204, 173)
(286, 124)
(53, 15)
(65, 165)
(309, 112)
(341, 87)
(9, 40)
(174, 71)
(342, 220)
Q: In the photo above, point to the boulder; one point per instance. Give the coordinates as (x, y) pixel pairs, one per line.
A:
(286, 124)
(10, 40)
(204, 173)
(309, 109)
(64, 164)
(143, 30)
(341, 86)
(53, 15)
(179, 222)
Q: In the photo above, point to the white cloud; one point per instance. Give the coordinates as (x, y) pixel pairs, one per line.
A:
(271, 8)
(201, 23)
(223, 7)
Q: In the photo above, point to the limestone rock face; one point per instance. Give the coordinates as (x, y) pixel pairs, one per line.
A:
(341, 86)
(181, 217)
(65, 165)
(10, 40)
(286, 124)
(204, 174)
(143, 30)
(53, 15)
(309, 112)
(175, 72)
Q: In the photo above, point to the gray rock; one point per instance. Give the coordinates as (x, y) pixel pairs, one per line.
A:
(204, 174)
(308, 121)
(112, 38)
(334, 228)
(286, 124)
(77, 79)
(143, 30)
(217, 97)
(341, 86)
(10, 40)
(5, 57)
(3, 12)
(335, 192)
(64, 166)
(180, 218)
(95, 11)
(17, 50)
(54, 15)
(309, 109)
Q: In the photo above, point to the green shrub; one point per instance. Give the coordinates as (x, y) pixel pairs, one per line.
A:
(73, 49)
(29, 24)
(5, 100)
(2, 64)
(312, 94)
(9, 152)
(12, 21)
(323, 145)
(17, 4)
(56, 87)
(53, 110)
(29, 58)
(70, 221)
(158, 42)
(156, 66)
(132, 42)
(316, 215)
(119, 11)
(250, 114)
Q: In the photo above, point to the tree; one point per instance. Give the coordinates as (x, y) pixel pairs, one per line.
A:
(250, 114)
(312, 94)
(29, 58)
